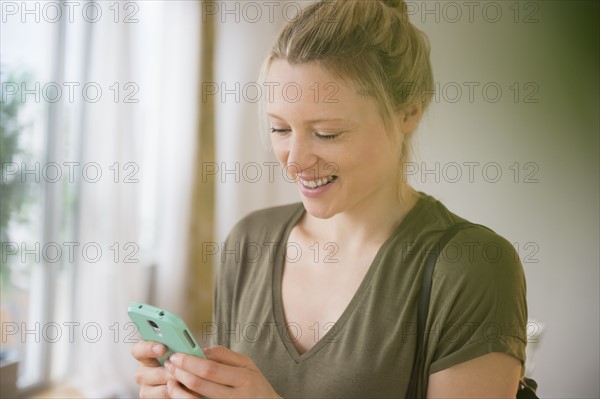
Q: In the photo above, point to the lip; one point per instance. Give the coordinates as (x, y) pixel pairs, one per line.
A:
(314, 192)
(311, 178)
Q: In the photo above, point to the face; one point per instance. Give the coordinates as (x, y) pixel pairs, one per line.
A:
(331, 140)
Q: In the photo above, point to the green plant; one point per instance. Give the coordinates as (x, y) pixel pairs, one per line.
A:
(13, 192)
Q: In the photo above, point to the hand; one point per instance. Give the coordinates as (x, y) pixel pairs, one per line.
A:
(151, 376)
(223, 374)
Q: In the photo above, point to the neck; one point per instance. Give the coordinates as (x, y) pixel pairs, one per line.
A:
(364, 224)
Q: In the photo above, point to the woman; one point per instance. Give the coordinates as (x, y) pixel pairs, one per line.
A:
(328, 307)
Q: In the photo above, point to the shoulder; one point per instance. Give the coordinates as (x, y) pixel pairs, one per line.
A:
(476, 262)
(478, 299)
(474, 244)
(476, 266)
(248, 250)
(479, 257)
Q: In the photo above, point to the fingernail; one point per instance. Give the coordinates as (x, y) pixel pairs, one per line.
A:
(157, 349)
(175, 358)
(168, 364)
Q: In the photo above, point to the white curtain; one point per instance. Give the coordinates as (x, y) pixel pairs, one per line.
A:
(138, 218)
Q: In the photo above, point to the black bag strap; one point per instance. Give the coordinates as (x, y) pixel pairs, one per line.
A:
(527, 387)
(423, 309)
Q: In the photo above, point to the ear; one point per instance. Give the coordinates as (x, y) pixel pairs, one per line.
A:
(409, 118)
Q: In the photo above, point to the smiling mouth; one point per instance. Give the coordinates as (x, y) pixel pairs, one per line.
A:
(318, 182)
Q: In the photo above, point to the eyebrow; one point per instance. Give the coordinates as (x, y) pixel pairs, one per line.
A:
(312, 121)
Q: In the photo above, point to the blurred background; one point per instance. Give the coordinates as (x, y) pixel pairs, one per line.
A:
(131, 144)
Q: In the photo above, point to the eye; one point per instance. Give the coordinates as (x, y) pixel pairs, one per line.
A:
(280, 131)
(327, 136)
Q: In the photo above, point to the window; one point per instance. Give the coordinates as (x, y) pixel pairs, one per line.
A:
(40, 119)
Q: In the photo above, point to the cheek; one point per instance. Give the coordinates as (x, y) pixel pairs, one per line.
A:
(279, 150)
(376, 159)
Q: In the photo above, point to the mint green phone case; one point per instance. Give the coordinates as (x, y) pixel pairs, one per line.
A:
(158, 325)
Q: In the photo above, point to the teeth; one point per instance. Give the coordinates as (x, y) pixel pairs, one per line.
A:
(317, 183)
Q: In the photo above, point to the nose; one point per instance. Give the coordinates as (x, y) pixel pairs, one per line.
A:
(301, 156)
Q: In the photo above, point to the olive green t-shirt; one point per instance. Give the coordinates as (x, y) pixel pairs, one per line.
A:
(477, 306)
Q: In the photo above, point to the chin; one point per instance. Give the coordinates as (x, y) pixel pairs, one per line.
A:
(321, 211)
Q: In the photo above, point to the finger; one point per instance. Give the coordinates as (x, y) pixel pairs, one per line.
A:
(224, 355)
(206, 369)
(198, 384)
(147, 352)
(152, 376)
(176, 390)
(160, 392)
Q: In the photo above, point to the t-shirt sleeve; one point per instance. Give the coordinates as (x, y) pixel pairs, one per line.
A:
(478, 301)
(224, 289)
(227, 276)
(221, 305)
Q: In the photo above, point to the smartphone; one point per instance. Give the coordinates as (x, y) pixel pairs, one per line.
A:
(158, 325)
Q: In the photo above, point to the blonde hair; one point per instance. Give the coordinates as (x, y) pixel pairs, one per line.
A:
(371, 44)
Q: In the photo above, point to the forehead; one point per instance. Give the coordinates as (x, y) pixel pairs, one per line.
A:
(310, 88)
(282, 71)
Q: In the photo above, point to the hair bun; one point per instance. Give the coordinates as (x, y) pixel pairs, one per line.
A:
(400, 5)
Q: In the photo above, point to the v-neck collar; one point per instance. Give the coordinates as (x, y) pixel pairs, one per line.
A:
(276, 283)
